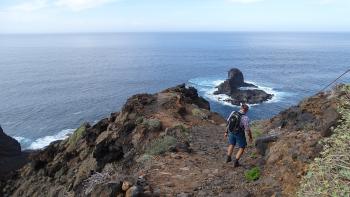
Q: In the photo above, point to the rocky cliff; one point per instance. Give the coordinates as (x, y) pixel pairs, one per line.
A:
(170, 144)
(148, 125)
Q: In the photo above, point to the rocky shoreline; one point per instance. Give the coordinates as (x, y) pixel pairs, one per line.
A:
(171, 144)
(234, 88)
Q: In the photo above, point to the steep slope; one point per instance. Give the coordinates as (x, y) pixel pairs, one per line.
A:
(292, 140)
(329, 174)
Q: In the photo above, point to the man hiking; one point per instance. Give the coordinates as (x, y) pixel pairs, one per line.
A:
(237, 126)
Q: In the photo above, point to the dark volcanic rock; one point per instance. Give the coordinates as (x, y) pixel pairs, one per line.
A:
(248, 96)
(11, 156)
(262, 143)
(8, 146)
(234, 81)
(108, 150)
(232, 85)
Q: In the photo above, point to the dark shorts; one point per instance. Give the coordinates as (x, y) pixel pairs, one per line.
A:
(237, 138)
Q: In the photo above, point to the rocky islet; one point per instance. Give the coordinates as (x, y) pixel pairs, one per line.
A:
(239, 91)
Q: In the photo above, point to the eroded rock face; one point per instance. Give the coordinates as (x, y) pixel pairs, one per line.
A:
(232, 87)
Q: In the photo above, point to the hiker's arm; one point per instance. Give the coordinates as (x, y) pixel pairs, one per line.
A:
(250, 135)
(247, 129)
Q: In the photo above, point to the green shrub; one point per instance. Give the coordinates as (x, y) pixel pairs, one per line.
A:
(78, 134)
(253, 155)
(182, 128)
(256, 129)
(161, 145)
(252, 174)
(139, 120)
(152, 124)
(144, 158)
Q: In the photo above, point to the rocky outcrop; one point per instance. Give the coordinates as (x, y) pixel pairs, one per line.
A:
(11, 156)
(233, 88)
(147, 125)
(262, 143)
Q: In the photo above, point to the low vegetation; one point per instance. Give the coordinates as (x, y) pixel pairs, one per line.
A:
(182, 128)
(199, 113)
(160, 145)
(79, 133)
(329, 175)
(256, 129)
(152, 124)
(252, 174)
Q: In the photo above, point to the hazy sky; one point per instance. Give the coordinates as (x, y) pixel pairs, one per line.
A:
(30, 16)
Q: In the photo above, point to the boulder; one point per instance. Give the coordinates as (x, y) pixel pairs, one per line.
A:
(331, 118)
(261, 143)
(126, 185)
(134, 191)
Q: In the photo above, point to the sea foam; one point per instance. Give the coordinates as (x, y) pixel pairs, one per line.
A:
(44, 141)
(207, 86)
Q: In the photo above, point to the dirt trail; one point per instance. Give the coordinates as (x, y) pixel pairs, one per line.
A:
(202, 172)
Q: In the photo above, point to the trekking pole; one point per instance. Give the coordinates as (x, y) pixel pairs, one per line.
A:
(335, 80)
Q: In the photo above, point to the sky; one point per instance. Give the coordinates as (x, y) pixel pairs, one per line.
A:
(70, 16)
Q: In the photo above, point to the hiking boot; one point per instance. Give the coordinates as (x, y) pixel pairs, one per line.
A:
(228, 159)
(236, 164)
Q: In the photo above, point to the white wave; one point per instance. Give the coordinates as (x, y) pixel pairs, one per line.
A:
(277, 95)
(22, 140)
(45, 141)
(207, 86)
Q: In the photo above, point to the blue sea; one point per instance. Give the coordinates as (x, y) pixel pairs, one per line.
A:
(52, 83)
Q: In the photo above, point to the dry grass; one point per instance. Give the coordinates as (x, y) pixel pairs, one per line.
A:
(329, 175)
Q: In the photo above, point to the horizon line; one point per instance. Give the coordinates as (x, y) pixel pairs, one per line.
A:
(132, 32)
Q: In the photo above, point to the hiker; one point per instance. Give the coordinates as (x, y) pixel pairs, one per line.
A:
(237, 126)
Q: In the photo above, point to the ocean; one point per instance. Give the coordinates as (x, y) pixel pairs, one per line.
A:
(52, 83)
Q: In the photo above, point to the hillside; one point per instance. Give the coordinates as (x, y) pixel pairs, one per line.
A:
(170, 144)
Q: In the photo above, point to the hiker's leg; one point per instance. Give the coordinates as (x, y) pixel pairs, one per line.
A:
(229, 150)
(242, 143)
(232, 143)
(239, 153)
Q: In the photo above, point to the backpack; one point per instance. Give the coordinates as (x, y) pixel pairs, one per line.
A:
(234, 122)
